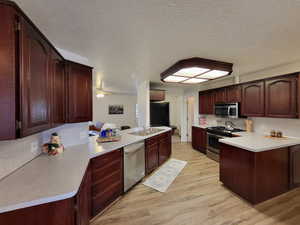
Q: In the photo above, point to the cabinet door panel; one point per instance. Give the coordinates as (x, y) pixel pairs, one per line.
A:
(199, 139)
(7, 74)
(233, 94)
(220, 95)
(164, 150)
(35, 85)
(151, 157)
(58, 90)
(294, 166)
(281, 96)
(83, 200)
(79, 93)
(253, 99)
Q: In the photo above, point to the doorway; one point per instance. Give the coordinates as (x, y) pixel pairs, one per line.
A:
(190, 116)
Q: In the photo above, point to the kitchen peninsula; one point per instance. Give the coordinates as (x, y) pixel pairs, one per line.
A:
(84, 180)
(257, 167)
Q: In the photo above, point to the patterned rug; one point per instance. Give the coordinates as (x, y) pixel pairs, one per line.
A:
(164, 176)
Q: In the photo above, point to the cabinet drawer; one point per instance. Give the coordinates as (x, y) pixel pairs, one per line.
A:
(151, 141)
(102, 200)
(103, 160)
(108, 181)
(102, 172)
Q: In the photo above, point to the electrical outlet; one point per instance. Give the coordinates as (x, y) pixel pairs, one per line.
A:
(34, 147)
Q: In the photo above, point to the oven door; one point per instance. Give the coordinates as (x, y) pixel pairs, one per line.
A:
(213, 143)
(221, 110)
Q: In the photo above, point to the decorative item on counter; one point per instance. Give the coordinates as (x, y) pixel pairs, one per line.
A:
(249, 125)
(273, 133)
(55, 146)
(279, 134)
(109, 135)
(202, 120)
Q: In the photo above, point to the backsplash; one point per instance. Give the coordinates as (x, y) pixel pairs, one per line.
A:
(289, 127)
(15, 153)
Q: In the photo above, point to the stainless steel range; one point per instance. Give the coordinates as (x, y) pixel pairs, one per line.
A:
(214, 134)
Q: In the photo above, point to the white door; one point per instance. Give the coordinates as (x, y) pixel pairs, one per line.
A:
(190, 116)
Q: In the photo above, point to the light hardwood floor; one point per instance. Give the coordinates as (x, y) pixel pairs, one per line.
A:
(197, 197)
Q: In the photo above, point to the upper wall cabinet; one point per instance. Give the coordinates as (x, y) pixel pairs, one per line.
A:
(220, 95)
(281, 97)
(34, 81)
(79, 93)
(253, 95)
(34, 95)
(8, 73)
(206, 102)
(233, 94)
(157, 95)
(58, 101)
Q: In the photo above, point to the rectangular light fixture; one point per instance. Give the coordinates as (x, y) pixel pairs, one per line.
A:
(175, 79)
(196, 70)
(213, 74)
(194, 81)
(191, 72)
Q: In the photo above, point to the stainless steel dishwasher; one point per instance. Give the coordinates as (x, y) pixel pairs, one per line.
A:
(134, 164)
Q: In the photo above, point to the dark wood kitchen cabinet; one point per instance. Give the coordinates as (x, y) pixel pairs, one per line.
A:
(220, 95)
(83, 203)
(107, 180)
(253, 95)
(206, 102)
(281, 97)
(54, 213)
(79, 92)
(199, 139)
(151, 154)
(255, 176)
(158, 150)
(295, 166)
(58, 100)
(233, 94)
(157, 95)
(164, 148)
(8, 73)
(35, 81)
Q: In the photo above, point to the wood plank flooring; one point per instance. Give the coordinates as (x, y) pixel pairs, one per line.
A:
(197, 197)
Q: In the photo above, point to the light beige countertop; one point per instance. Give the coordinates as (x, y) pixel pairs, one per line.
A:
(256, 142)
(47, 179)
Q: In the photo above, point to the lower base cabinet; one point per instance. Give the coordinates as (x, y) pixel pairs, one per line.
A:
(54, 213)
(255, 176)
(158, 150)
(83, 202)
(107, 180)
(199, 139)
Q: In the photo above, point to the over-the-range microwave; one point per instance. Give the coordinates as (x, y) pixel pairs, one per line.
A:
(227, 110)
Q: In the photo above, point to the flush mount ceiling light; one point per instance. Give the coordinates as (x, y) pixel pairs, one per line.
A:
(191, 72)
(174, 79)
(194, 81)
(196, 70)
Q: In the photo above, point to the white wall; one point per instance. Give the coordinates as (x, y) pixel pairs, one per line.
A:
(143, 101)
(100, 109)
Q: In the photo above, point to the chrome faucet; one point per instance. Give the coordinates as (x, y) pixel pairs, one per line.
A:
(229, 125)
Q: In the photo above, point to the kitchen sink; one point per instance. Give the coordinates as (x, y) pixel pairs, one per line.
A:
(147, 132)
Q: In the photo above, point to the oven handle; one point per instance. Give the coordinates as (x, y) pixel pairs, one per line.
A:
(210, 134)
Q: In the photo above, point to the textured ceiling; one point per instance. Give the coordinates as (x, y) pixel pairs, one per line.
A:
(132, 40)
